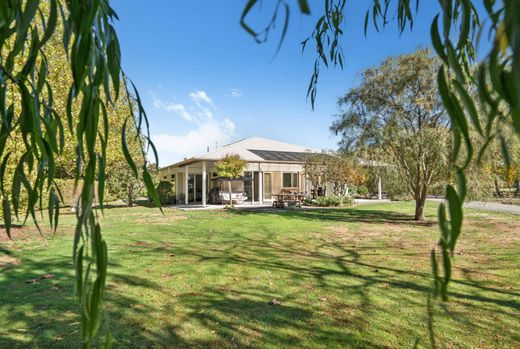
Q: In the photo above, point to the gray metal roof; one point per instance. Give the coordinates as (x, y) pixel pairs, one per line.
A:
(282, 156)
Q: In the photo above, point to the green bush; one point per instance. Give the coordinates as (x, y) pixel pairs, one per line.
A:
(330, 201)
(66, 188)
(362, 190)
(309, 201)
(347, 201)
(166, 193)
(69, 196)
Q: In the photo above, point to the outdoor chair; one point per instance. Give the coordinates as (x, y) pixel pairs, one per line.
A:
(237, 198)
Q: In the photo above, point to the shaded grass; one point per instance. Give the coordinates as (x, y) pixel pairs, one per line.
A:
(342, 278)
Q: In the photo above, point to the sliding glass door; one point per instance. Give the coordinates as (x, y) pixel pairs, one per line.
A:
(194, 188)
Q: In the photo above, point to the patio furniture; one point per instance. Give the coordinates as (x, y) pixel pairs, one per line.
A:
(288, 199)
(219, 194)
(219, 197)
(237, 198)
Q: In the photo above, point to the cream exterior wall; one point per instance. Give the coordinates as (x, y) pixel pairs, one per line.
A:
(276, 169)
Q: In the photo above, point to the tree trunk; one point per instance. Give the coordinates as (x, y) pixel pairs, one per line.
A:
(419, 208)
(130, 194)
(517, 188)
(230, 198)
(497, 188)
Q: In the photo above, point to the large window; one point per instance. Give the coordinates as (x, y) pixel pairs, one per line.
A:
(290, 180)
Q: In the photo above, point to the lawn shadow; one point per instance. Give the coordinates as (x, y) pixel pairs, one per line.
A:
(231, 315)
(346, 214)
(226, 316)
(37, 296)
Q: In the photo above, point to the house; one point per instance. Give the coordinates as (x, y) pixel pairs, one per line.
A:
(272, 166)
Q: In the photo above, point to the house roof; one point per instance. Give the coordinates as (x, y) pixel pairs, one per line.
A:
(254, 149)
(282, 156)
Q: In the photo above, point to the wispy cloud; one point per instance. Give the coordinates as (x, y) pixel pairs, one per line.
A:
(181, 110)
(235, 93)
(178, 108)
(200, 96)
(207, 129)
(172, 148)
(203, 102)
(157, 103)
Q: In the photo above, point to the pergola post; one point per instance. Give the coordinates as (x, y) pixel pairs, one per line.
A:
(177, 188)
(260, 186)
(204, 184)
(186, 185)
(379, 192)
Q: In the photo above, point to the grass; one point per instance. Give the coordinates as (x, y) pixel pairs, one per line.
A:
(342, 278)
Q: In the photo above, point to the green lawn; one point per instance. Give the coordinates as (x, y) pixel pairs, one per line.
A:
(344, 278)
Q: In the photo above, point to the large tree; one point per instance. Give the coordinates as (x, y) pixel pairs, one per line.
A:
(504, 172)
(315, 169)
(341, 170)
(397, 112)
(41, 95)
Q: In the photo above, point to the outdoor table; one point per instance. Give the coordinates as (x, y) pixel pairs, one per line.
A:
(289, 199)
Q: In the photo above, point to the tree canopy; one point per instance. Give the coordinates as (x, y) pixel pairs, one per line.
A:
(41, 94)
(231, 166)
(340, 169)
(396, 115)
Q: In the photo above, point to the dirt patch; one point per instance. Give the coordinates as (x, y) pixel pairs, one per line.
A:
(7, 261)
(341, 230)
(18, 232)
(149, 245)
(497, 232)
(160, 219)
(370, 231)
(141, 244)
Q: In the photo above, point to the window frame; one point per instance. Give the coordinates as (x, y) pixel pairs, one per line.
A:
(294, 180)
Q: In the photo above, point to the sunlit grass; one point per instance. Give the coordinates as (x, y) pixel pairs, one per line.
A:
(340, 277)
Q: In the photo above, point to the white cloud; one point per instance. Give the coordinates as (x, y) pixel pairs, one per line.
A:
(207, 129)
(203, 102)
(157, 103)
(204, 110)
(173, 148)
(179, 109)
(200, 96)
(235, 93)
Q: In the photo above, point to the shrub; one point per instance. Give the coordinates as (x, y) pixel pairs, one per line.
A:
(69, 196)
(165, 192)
(309, 201)
(362, 190)
(66, 187)
(347, 201)
(328, 201)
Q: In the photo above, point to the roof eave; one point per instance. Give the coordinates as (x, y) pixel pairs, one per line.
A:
(193, 160)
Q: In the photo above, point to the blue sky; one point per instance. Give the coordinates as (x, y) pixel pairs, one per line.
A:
(204, 81)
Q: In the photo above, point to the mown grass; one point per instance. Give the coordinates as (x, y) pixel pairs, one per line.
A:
(355, 277)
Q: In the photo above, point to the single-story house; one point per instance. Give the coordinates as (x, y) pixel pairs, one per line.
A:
(271, 166)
